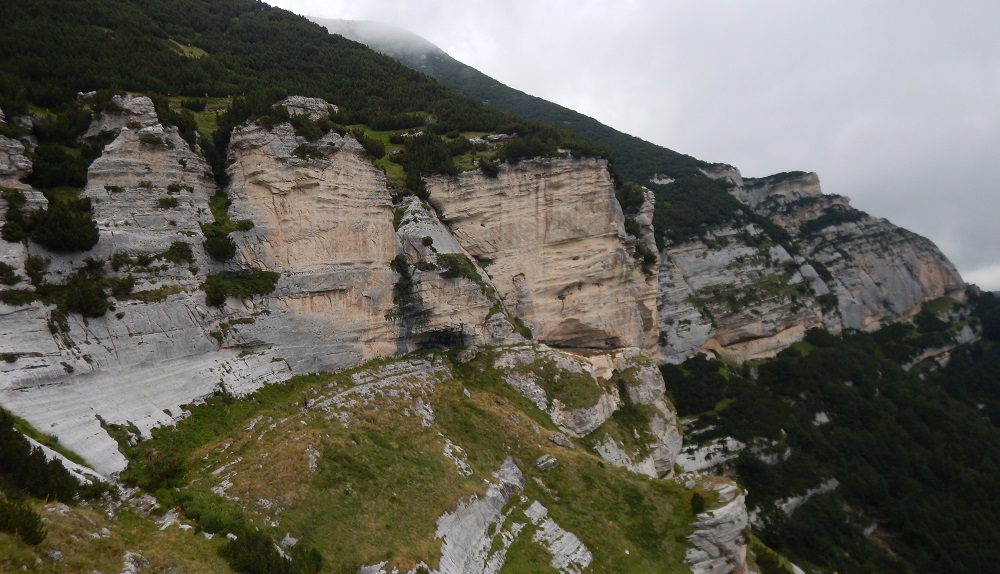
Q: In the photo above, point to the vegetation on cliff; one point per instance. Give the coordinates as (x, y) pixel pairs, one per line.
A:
(915, 451)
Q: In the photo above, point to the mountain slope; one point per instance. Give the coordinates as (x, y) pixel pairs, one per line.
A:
(318, 335)
(747, 266)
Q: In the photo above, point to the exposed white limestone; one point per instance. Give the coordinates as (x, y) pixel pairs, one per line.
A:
(13, 163)
(568, 553)
(740, 295)
(466, 532)
(313, 108)
(554, 233)
(717, 544)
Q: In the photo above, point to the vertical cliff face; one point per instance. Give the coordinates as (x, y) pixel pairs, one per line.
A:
(357, 276)
(13, 163)
(452, 300)
(323, 221)
(154, 350)
(550, 235)
(741, 292)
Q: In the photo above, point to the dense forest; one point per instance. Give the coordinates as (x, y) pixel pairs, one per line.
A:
(916, 451)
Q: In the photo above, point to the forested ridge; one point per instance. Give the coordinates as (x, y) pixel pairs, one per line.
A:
(915, 447)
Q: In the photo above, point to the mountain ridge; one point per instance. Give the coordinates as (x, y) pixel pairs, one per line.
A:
(501, 325)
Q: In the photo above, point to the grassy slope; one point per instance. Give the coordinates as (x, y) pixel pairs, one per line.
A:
(381, 481)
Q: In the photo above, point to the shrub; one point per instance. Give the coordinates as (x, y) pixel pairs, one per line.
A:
(307, 152)
(7, 275)
(195, 105)
(373, 146)
(151, 139)
(167, 202)
(26, 468)
(178, 252)
(253, 552)
(697, 503)
(35, 267)
(220, 248)
(53, 165)
(306, 127)
(17, 225)
(241, 284)
(458, 265)
(490, 168)
(17, 297)
(123, 287)
(427, 240)
(65, 227)
(19, 518)
(631, 197)
(85, 294)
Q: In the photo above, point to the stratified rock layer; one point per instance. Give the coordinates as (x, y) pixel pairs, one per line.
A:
(550, 235)
(325, 224)
(742, 294)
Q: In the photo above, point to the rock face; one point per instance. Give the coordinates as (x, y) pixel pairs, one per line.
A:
(313, 108)
(320, 215)
(444, 307)
(148, 190)
(13, 163)
(550, 235)
(134, 112)
(718, 545)
(552, 379)
(741, 293)
(325, 224)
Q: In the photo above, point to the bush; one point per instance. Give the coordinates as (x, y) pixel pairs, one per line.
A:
(253, 552)
(85, 294)
(195, 105)
(178, 252)
(8, 276)
(373, 146)
(167, 202)
(241, 284)
(697, 503)
(26, 468)
(17, 225)
(123, 287)
(490, 168)
(65, 227)
(19, 518)
(220, 248)
(458, 265)
(53, 166)
(17, 297)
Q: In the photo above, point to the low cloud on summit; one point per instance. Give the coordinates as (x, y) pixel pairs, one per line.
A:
(893, 104)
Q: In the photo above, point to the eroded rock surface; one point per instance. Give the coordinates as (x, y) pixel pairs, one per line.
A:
(325, 224)
(553, 235)
(718, 545)
(744, 295)
(542, 375)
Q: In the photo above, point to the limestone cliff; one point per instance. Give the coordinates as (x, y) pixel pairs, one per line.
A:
(745, 294)
(319, 214)
(325, 224)
(13, 163)
(550, 236)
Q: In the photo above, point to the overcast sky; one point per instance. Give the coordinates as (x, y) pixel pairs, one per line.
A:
(895, 104)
